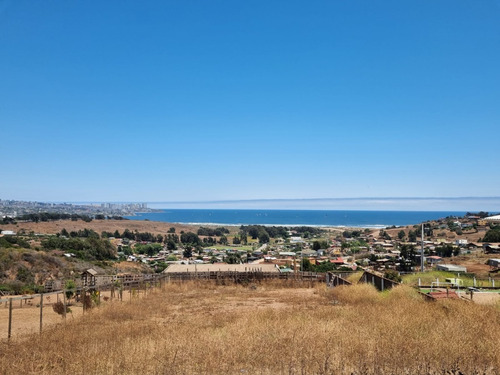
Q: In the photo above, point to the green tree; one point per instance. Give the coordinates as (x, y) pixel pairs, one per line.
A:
(493, 235)
(70, 288)
(393, 275)
(188, 251)
(264, 237)
(401, 234)
(307, 266)
(223, 240)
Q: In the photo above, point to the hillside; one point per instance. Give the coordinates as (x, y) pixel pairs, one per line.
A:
(197, 328)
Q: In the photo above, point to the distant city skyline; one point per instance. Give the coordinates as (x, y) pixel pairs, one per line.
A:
(450, 204)
(471, 204)
(248, 101)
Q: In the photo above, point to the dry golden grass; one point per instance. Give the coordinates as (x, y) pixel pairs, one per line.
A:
(268, 329)
(52, 227)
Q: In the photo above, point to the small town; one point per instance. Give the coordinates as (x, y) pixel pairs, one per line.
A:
(456, 245)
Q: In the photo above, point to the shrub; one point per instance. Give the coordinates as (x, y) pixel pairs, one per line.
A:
(58, 307)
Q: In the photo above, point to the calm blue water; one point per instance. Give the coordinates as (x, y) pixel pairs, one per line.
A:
(294, 217)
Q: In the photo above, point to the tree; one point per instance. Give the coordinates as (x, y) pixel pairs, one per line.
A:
(171, 245)
(401, 234)
(190, 238)
(264, 237)
(188, 252)
(407, 254)
(243, 237)
(306, 265)
(444, 250)
(70, 288)
(412, 236)
(393, 275)
(233, 259)
(171, 230)
(493, 235)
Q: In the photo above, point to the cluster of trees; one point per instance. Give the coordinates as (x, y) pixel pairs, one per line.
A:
(81, 233)
(447, 250)
(352, 234)
(354, 246)
(323, 244)
(325, 266)
(261, 232)
(89, 248)
(136, 236)
(11, 241)
(493, 235)
(52, 216)
(217, 232)
(150, 249)
(307, 232)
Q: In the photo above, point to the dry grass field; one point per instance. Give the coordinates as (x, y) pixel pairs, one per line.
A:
(52, 227)
(268, 329)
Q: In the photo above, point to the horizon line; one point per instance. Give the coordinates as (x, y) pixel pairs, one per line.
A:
(266, 200)
(292, 199)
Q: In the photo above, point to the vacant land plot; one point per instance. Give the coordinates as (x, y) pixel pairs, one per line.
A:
(267, 329)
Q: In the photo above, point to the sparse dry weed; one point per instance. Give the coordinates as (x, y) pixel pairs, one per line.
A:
(202, 328)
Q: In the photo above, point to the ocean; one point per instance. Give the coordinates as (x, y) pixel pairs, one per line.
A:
(332, 218)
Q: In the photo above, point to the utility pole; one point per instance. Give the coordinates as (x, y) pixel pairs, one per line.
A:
(422, 251)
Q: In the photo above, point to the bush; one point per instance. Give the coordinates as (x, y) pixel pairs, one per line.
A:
(58, 307)
(393, 275)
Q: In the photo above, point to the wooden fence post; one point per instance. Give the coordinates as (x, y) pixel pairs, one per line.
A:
(41, 312)
(10, 319)
(64, 302)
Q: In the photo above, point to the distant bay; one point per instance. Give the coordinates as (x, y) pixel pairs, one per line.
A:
(324, 218)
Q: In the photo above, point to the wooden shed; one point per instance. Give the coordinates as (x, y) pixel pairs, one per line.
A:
(89, 278)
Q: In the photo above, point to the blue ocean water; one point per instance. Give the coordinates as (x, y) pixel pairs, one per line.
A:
(331, 218)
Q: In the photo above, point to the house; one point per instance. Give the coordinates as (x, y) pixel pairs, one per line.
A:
(494, 263)
(490, 248)
(8, 233)
(433, 259)
(450, 268)
(309, 253)
(461, 242)
(337, 261)
(221, 267)
(492, 219)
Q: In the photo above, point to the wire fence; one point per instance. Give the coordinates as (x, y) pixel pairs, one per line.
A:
(27, 314)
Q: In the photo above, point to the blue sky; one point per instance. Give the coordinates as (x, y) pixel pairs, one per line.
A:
(232, 100)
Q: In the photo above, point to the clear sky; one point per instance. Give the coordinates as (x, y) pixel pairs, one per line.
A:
(229, 100)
